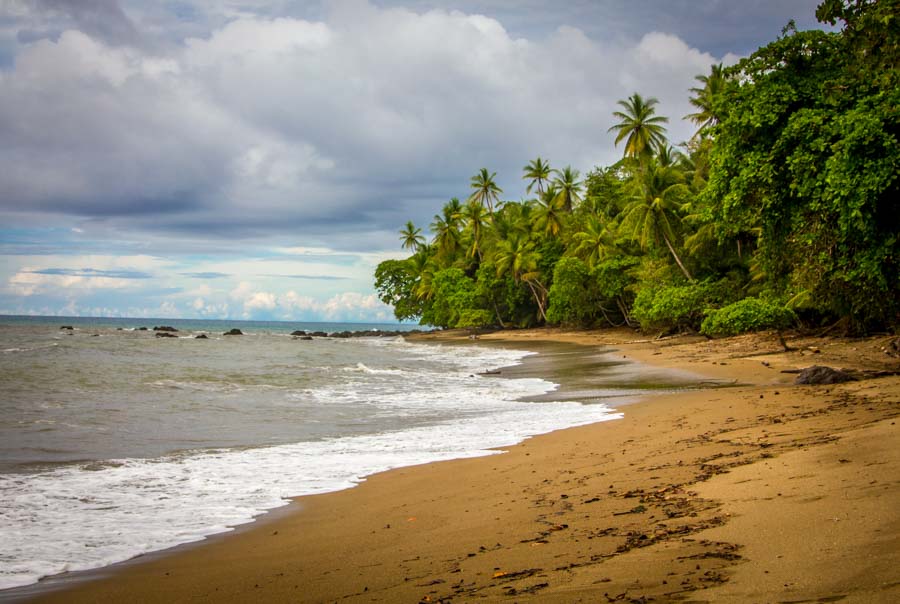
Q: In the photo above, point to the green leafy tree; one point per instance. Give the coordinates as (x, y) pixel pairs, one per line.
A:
(807, 152)
(395, 282)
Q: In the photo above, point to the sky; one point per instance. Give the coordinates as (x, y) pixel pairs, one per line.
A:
(251, 159)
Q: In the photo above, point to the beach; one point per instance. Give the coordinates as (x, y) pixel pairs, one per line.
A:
(752, 490)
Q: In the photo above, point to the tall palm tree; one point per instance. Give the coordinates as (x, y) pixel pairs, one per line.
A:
(655, 209)
(704, 99)
(538, 172)
(568, 188)
(487, 193)
(411, 238)
(473, 216)
(639, 126)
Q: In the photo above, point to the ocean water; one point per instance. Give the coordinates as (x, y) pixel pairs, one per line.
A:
(114, 443)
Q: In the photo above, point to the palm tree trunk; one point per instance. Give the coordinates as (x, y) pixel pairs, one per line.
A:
(677, 259)
(537, 298)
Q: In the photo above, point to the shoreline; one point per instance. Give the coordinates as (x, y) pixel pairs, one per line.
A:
(579, 513)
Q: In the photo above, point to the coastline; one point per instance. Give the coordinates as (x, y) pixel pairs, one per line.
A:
(653, 505)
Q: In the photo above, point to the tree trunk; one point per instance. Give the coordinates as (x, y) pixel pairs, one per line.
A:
(537, 298)
(677, 259)
(624, 311)
(497, 313)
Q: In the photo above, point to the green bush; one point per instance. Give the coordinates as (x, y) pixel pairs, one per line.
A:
(475, 318)
(750, 314)
(674, 307)
(570, 300)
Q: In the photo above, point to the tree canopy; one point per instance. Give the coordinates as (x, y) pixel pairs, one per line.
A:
(781, 210)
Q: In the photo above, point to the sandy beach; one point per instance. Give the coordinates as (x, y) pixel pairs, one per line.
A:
(752, 490)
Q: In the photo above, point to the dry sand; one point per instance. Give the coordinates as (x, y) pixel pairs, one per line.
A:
(760, 492)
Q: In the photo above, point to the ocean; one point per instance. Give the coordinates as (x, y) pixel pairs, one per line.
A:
(114, 442)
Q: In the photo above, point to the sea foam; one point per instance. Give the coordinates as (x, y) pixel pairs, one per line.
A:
(83, 516)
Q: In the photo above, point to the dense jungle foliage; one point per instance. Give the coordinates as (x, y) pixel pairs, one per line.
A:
(781, 210)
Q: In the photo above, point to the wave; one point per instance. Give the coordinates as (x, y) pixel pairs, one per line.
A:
(31, 349)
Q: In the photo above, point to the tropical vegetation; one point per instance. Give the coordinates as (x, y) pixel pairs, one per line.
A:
(782, 209)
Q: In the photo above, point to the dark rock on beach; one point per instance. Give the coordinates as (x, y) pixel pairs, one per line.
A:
(234, 332)
(318, 334)
(299, 332)
(165, 328)
(165, 334)
(69, 327)
(818, 374)
(142, 329)
(304, 337)
(202, 336)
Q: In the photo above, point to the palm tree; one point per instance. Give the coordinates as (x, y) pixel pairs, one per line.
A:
(411, 238)
(548, 215)
(487, 193)
(593, 243)
(657, 202)
(568, 188)
(473, 215)
(639, 126)
(538, 171)
(517, 257)
(446, 228)
(704, 99)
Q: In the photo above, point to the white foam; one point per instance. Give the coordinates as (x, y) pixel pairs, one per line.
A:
(82, 517)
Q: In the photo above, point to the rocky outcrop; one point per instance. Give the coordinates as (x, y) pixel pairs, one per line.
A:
(165, 328)
(68, 327)
(202, 336)
(234, 332)
(371, 333)
(819, 374)
(165, 334)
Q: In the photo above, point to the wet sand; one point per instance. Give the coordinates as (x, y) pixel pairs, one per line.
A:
(763, 491)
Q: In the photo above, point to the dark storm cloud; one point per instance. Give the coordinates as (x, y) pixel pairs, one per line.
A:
(337, 129)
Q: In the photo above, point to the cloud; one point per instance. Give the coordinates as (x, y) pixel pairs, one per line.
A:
(205, 275)
(272, 149)
(93, 272)
(326, 130)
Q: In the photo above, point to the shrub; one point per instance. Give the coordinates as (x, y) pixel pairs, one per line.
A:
(750, 314)
(569, 300)
(674, 307)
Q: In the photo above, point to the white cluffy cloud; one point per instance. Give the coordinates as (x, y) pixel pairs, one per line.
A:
(269, 151)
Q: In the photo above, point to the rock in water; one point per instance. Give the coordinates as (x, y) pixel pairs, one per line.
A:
(165, 328)
(202, 336)
(163, 334)
(234, 332)
(818, 374)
